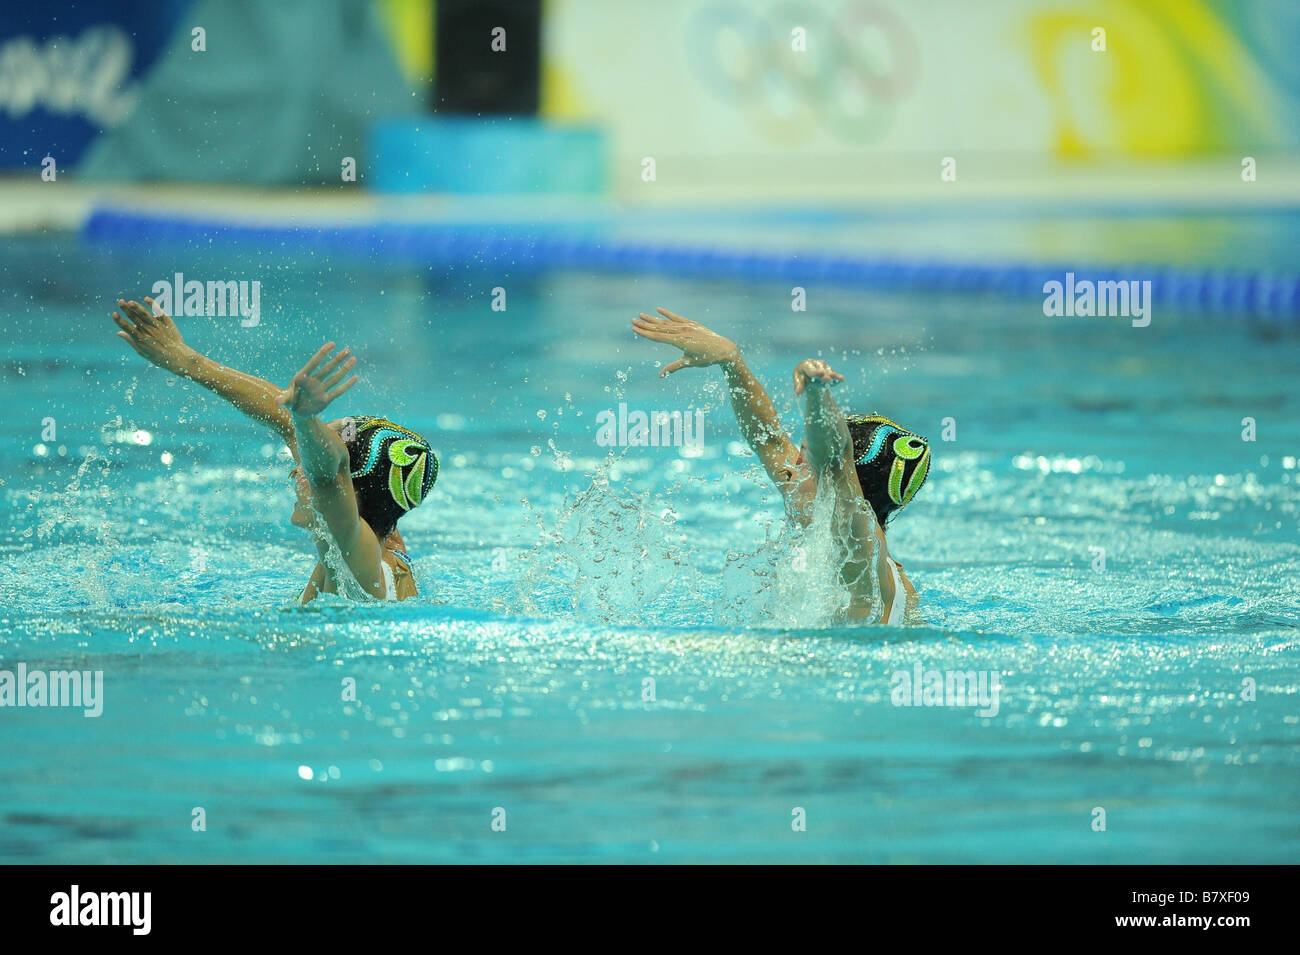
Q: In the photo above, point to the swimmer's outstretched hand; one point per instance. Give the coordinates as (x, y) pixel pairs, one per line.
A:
(814, 371)
(312, 389)
(152, 334)
(699, 345)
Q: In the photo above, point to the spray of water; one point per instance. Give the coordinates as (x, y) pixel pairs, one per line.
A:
(617, 555)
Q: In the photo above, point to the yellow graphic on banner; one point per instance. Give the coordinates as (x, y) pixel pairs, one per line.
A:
(1173, 80)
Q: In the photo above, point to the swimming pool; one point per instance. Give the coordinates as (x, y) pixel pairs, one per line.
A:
(150, 540)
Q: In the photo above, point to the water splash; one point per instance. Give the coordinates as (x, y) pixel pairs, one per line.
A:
(617, 555)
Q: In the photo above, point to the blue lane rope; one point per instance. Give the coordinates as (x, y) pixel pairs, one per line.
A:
(1238, 293)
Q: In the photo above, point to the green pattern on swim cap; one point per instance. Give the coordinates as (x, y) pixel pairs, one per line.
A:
(896, 479)
(395, 488)
(905, 450)
(400, 455)
(918, 478)
(415, 481)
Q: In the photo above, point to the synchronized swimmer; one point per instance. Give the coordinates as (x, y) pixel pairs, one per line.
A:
(354, 477)
(359, 474)
(874, 466)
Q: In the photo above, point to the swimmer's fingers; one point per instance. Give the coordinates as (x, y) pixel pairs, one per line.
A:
(127, 332)
(138, 313)
(327, 369)
(803, 381)
(824, 372)
(673, 317)
(132, 311)
(814, 370)
(129, 312)
(343, 387)
(831, 376)
(130, 341)
(658, 335)
(804, 373)
(678, 365)
(159, 316)
(316, 359)
(656, 328)
(127, 328)
(650, 332)
(339, 375)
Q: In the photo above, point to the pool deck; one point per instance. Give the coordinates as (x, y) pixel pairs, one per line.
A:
(29, 205)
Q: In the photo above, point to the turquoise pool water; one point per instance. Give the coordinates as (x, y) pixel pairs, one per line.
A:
(557, 578)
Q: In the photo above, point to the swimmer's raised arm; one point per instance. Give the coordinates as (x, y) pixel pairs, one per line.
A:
(757, 417)
(157, 338)
(324, 457)
(830, 446)
(830, 452)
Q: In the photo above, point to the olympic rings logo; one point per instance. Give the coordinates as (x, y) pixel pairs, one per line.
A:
(855, 69)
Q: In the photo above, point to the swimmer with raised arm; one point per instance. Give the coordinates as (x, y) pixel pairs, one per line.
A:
(874, 466)
(354, 477)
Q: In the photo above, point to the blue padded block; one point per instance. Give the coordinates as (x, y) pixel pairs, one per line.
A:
(507, 155)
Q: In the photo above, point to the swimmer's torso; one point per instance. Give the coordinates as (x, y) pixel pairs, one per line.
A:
(394, 582)
(867, 567)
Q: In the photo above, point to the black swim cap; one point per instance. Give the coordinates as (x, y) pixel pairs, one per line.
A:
(892, 462)
(393, 468)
